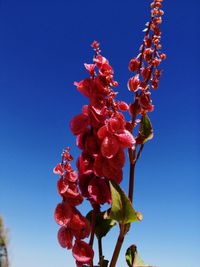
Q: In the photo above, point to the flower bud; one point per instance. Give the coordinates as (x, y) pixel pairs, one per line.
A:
(133, 64)
(146, 73)
(154, 84)
(163, 56)
(133, 83)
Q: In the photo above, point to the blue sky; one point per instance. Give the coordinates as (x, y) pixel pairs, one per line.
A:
(42, 50)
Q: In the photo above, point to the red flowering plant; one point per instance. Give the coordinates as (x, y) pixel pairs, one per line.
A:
(103, 135)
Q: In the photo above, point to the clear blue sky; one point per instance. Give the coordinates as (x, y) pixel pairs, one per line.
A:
(43, 45)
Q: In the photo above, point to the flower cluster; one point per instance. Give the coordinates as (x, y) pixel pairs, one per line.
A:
(145, 65)
(102, 135)
(101, 132)
(73, 224)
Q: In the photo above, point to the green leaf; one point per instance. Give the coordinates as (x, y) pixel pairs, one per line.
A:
(133, 259)
(146, 130)
(121, 209)
(130, 255)
(102, 223)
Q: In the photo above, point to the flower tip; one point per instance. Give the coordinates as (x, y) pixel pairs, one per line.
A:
(95, 44)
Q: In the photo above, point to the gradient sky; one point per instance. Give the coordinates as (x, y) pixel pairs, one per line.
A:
(42, 50)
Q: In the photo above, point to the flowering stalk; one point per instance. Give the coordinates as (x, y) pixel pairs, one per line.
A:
(74, 226)
(147, 76)
(102, 135)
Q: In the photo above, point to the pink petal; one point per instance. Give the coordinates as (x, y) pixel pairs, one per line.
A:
(75, 201)
(102, 132)
(71, 176)
(84, 180)
(98, 163)
(58, 169)
(79, 124)
(118, 160)
(65, 237)
(83, 231)
(84, 86)
(79, 225)
(133, 83)
(99, 191)
(85, 163)
(112, 173)
(90, 68)
(63, 213)
(123, 106)
(62, 186)
(109, 146)
(126, 139)
(82, 252)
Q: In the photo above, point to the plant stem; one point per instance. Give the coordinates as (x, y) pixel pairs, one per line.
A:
(100, 250)
(118, 246)
(92, 231)
(139, 153)
(131, 181)
(92, 228)
(131, 173)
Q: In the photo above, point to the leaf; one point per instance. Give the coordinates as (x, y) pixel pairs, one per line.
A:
(146, 130)
(103, 224)
(121, 209)
(130, 255)
(133, 259)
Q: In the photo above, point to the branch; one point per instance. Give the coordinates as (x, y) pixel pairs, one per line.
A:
(139, 153)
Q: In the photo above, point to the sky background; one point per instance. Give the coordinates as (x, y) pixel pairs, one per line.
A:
(43, 45)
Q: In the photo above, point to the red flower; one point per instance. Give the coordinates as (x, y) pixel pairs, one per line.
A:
(71, 176)
(67, 189)
(82, 252)
(84, 86)
(146, 73)
(133, 65)
(109, 168)
(100, 60)
(125, 139)
(90, 68)
(83, 230)
(134, 83)
(99, 191)
(95, 45)
(123, 106)
(58, 169)
(65, 237)
(85, 163)
(114, 136)
(63, 213)
(109, 146)
(145, 102)
(79, 124)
